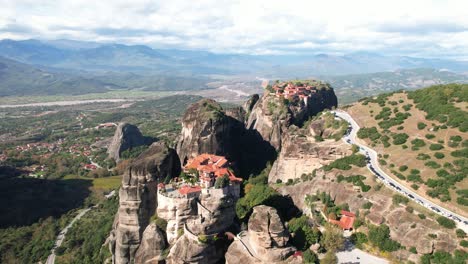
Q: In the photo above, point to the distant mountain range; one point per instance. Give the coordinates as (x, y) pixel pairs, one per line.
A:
(91, 56)
(21, 79)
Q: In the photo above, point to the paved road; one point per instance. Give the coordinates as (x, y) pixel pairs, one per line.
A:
(61, 236)
(373, 166)
(353, 255)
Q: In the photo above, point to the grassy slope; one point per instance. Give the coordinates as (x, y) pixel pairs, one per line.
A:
(398, 156)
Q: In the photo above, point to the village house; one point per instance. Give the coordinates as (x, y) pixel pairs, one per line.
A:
(345, 221)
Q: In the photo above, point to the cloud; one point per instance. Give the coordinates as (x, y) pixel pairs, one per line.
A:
(419, 27)
(422, 28)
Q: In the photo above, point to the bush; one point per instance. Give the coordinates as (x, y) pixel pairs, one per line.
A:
(460, 233)
(367, 205)
(403, 168)
(430, 136)
(222, 182)
(445, 222)
(400, 138)
(399, 199)
(439, 155)
(422, 216)
(418, 143)
(379, 236)
(421, 125)
(464, 243)
(432, 164)
(346, 162)
(436, 147)
(310, 257)
(359, 239)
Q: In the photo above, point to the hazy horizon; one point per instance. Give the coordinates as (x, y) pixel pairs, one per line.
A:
(429, 29)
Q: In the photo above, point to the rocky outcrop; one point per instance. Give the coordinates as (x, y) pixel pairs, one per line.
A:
(207, 129)
(176, 211)
(237, 113)
(138, 198)
(271, 116)
(266, 240)
(215, 213)
(152, 246)
(126, 137)
(249, 104)
(301, 152)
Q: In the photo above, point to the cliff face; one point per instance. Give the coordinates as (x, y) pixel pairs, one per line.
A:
(152, 246)
(207, 129)
(126, 137)
(271, 116)
(301, 152)
(215, 213)
(138, 199)
(265, 241)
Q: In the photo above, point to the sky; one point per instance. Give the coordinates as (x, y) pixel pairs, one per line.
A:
(422, 28)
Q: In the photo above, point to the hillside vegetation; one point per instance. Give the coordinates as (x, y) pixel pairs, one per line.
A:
(422, 139)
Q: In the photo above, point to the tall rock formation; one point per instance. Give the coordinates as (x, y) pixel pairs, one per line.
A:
(215, 213)
(152, 246)
(126, 137)
(272, 115)
(265, 241)
(207, 129)
(138, 199)
(301, 152)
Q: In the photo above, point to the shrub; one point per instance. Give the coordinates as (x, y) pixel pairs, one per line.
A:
(415, 171)
(439, 155)
(418, 143)
(430, 136)
(460, 233)
(279, 181)
(346, 162)
(445, 222)
(367, 205)
(422, 216)
(399, 199)
(359, 239)
(415, 186)
(380, 236)
(413, 250)
(222, 182)
(403, 168)
(409, 209)
(400, 138)
(421, 125)
(432, 164)
(464, 243)
(436, 147)
(310, 257)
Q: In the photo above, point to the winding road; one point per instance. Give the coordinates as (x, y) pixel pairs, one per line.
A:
(61, 235)
(373, 166)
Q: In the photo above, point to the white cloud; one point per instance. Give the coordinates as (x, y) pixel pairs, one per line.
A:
(435, 28)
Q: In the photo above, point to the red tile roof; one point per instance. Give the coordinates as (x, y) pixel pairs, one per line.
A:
(209, 163)
(184, 190)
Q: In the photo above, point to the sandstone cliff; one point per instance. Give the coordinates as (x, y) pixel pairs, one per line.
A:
(126, 137)
(265, 241)
(308, 148)
(271, 115)
(138, 199)
(152, 246)
(207, 129)
(215, 213)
